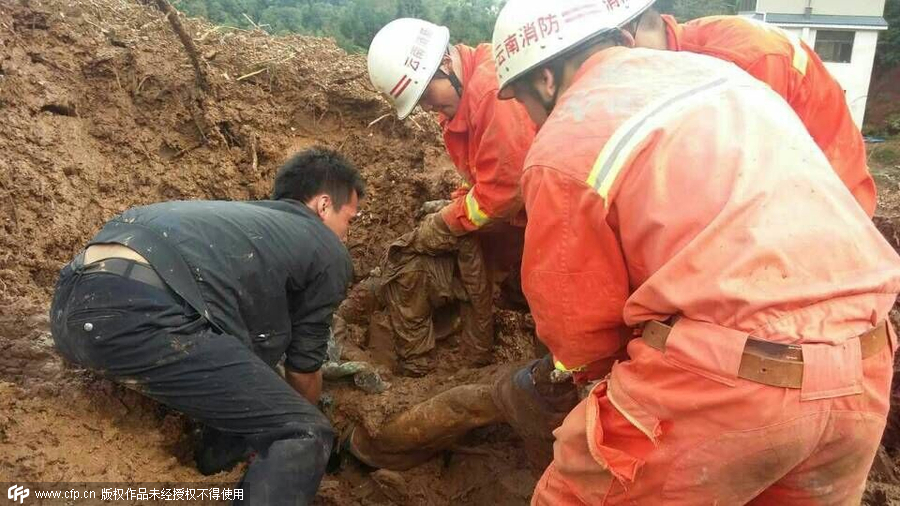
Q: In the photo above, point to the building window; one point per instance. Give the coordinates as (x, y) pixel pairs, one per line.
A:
(747, 6)
(835, 46)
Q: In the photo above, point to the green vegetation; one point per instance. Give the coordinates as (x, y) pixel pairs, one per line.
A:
(892, 124)
(888, 55)
(885, 156)
(353, 23)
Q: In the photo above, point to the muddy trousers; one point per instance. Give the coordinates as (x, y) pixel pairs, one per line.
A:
(147, 338)
(656, 433)
(426, 270)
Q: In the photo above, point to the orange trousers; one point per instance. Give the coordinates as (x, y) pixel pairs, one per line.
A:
(654, 433)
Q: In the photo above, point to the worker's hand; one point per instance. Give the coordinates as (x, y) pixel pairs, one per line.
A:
(433, 206)
(554, 387)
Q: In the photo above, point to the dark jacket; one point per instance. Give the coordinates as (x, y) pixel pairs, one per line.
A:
(269, 273)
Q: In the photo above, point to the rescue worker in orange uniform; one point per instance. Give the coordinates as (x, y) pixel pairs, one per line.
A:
(784, 62)
(691, 207)
(411, 62)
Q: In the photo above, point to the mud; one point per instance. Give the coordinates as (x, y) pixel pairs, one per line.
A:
(100, 112)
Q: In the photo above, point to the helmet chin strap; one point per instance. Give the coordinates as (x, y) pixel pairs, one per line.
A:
(454, 81)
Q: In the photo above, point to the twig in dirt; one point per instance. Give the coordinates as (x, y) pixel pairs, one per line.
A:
(186, 151)
(345, 80)
(186, 41)
(252, 23)
(462, 493)
(104, 31)
(12, 202)
(251, 74)
(153, 22)
(255, 164)
(208, 33)
(141, 84)
(320, 85)
(320, 118)
(267, 67)
(199, 118)
(221, 137)
(145, 151)
(377, 120)
(118, 81)
(370, 243)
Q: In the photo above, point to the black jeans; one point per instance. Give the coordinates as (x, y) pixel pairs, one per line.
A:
(149, 339)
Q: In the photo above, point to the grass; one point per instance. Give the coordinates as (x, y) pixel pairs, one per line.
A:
(884, 162)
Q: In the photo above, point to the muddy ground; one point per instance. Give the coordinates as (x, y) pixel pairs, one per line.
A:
(100, 111)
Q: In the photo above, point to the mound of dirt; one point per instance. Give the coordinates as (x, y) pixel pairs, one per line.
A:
(101, 112)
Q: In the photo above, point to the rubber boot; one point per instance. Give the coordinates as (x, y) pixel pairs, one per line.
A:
(217, 451)
(434, 425)
(534, 406)
(289, 471)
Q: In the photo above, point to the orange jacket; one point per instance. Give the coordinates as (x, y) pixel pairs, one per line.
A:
(796, 73)
(487, 140)
(688, 188)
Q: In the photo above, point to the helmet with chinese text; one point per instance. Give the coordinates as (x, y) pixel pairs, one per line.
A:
(529, 33)
(403, 58)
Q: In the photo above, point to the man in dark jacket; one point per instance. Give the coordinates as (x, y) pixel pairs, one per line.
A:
(194, 303)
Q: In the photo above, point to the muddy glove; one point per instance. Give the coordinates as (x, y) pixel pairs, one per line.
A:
(433, 206)
(433, 236)
(535, 406)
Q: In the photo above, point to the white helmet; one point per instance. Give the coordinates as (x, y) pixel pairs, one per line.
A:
(529, 32)
(403, 57)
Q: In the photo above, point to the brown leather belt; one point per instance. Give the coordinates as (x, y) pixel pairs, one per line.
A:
(778, 365)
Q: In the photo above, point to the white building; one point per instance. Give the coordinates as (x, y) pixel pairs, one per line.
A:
(844, 33)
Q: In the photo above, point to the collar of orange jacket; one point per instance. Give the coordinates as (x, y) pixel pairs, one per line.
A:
(597, 59)
(468, 57)
(673, 33)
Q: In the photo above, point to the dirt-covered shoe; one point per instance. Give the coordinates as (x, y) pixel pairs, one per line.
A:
(216, 451)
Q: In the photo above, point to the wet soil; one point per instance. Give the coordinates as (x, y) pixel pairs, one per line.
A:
(100, 112)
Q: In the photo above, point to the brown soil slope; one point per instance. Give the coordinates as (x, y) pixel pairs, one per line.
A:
(99, 111)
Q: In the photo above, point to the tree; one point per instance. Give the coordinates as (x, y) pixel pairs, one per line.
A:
(888, 55)
(412, 9)
(352, 23)
(685, 10)
(470, 21)
(362, 20)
